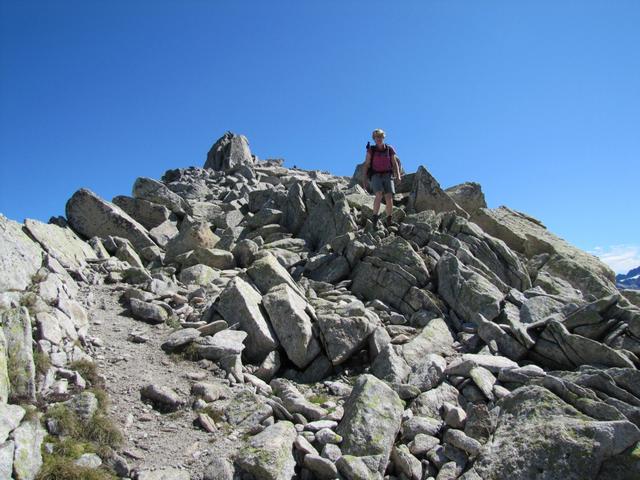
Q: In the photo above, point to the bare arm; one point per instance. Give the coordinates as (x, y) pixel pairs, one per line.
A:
(396, 169)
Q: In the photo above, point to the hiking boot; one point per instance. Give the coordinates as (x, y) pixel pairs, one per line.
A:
(375, 221)
(390, 222)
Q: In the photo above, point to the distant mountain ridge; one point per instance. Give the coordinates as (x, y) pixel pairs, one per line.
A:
(629, 280)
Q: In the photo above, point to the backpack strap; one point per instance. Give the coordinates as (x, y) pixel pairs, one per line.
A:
(387, 150)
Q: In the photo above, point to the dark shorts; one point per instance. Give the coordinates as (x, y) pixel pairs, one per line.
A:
(382, 182)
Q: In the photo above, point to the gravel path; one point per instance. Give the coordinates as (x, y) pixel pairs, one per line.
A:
(152, 440)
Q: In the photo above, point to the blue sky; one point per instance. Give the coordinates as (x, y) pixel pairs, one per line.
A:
(539, 101)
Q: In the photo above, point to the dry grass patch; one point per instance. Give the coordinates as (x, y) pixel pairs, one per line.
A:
(64, 468)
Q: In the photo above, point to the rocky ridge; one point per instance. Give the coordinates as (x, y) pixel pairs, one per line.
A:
(252, 316)
(629, 280)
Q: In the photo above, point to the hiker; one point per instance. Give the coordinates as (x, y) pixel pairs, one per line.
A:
(382, 161)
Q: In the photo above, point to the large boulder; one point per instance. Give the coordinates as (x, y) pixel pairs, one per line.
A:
(294, 211)
(222, 345)
(557, 348)
(267, 272)
(161, 397)
(49, 328)
(157, 192)
(530, 237)
(147, 311)
(191, 237)
(592, 313)
(91, 216)
(399, 252)
(198, 274)
(294, 401)
(149, 214)
(269, 454)
(27, 457)
(494, 363)
(240, 303)
(328, 217)
(292, 324)
(502, 266)
(427, 372)
(435, 338)
(357, 177)
(536, 309)
(20, 257)
(220, 468)
(221, 216)
(466, 291)
(633, 296)
(163, 233)
(330, 268)
(247, 411)
(390, 274)
(211, 257)
(375, 279)
(10, 418)
(343, 336)
(358, 468)
(390, 366)
(540, 436)
(264, 216)
(468, 195)
(371, 421)
(493, 334)
(427, 194)
(180, 338)
(431, 403)
(61, 243)
(229, 151)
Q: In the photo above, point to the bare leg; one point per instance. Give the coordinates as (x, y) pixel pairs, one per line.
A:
(388, 200)
(376, 203)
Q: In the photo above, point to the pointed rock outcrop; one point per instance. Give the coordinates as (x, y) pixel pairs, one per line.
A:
(229, 151)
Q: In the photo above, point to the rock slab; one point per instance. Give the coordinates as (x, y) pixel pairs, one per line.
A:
(92, 216)
(20, 257)
(269, 454)
(372, 418)
(292, 324)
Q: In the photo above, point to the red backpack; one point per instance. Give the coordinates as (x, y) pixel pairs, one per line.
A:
(387, 151)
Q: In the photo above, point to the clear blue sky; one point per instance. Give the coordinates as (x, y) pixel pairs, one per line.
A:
(539, 101)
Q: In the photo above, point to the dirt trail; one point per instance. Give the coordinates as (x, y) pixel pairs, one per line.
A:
(152, 440)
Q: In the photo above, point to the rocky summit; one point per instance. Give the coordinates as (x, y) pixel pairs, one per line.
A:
(249, 321)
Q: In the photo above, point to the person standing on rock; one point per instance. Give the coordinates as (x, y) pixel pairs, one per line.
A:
(382, 161)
